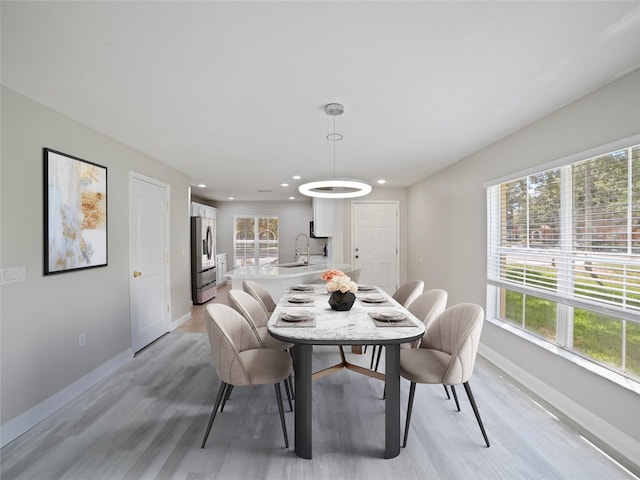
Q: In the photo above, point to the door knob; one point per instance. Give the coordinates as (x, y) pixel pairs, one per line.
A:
(136, 274)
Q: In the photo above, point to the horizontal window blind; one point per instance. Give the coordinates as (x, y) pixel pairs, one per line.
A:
(571, 234)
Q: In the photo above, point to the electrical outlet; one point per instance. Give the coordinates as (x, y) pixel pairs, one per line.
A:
(82, 340)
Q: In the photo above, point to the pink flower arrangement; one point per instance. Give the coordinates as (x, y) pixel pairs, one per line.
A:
(329, 274)
(337, 280)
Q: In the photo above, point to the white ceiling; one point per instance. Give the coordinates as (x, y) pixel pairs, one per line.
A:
(233, 93)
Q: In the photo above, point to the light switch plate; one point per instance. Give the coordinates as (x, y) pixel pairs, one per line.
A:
(14, 274)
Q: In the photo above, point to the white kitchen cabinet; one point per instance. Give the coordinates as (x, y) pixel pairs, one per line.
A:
(202, 210)
(323, 214)
(221, 268)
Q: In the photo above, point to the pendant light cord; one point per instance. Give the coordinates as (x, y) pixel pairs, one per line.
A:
(334, 146)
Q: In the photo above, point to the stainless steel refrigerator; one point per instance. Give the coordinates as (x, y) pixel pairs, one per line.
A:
(203, 259)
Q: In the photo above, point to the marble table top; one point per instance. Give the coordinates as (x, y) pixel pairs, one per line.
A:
(353, 327)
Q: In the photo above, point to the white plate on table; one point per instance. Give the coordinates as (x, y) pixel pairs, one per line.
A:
(390, 316)
(366, 288)
(373, 299)
(302, 288)
(299, 299)
(296, 316)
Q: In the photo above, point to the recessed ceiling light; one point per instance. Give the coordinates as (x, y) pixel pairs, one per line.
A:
(202, 185)
(231, 198)
(292, 198)
(296, 177)
(381, 181)
(284, 184)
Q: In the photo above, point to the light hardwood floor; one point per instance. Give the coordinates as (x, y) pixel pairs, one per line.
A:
(147, 422)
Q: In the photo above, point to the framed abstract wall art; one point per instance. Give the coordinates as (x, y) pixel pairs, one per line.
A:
(75, 213)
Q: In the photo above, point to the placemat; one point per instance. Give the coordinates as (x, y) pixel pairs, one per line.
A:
(304, 323)
(287, 303)
(367, 289)
(386, 303)
(302, 289)
(400, 323)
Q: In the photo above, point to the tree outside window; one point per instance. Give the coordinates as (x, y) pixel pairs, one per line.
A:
(564, 252)
(255, 240)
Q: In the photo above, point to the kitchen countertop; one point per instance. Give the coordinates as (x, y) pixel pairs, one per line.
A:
(278, 279)
(274, 271)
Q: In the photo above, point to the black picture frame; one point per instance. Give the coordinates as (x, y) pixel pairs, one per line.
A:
(75, 213)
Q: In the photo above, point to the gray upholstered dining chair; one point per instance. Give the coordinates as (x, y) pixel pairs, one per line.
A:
(407, 292)
(426, 307)
(404, 295)
(240, 360)
(257, 316)
(354, 275)
(260, 293)
(446, 355)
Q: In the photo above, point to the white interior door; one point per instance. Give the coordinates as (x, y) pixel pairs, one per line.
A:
(375, 243)
(149, 262)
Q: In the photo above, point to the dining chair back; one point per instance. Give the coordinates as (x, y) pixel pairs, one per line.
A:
(446, 355)
(240, 360)
(426, 307)
(257, 317)
(261, 294)
(408, 292)
(354, 275)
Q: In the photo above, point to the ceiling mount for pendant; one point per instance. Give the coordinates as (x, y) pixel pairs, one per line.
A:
(334, 109)
(335, 187)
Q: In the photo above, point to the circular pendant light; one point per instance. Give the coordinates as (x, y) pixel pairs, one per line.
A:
(335, 187)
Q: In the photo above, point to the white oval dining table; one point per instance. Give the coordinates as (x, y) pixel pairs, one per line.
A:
(353, 327)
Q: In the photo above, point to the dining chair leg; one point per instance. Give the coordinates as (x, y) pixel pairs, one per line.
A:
(226, 397)
(446, 390)
(373, 355)
(288, 391)
(412, 391)
(378, 359)
(455, 396)
(281, 409)
(221, 391)
(467, 388)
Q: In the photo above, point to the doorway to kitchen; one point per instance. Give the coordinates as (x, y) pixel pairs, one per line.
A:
(375, 239)
(148, 260)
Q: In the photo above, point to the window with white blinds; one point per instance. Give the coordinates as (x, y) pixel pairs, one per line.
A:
(564, 245)
(255, 240)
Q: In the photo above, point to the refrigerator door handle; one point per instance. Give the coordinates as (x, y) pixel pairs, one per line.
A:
(207, 247)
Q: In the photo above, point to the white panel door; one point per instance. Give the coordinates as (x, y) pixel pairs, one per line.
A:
(149, 267)
(375, 243)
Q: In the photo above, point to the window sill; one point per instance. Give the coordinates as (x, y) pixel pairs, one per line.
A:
(618, 379)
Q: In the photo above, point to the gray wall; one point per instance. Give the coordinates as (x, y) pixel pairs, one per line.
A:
(42, 317)
(447, 238)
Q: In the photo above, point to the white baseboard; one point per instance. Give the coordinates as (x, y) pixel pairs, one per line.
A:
(176, 323)
(619, 441)
(15, 427)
